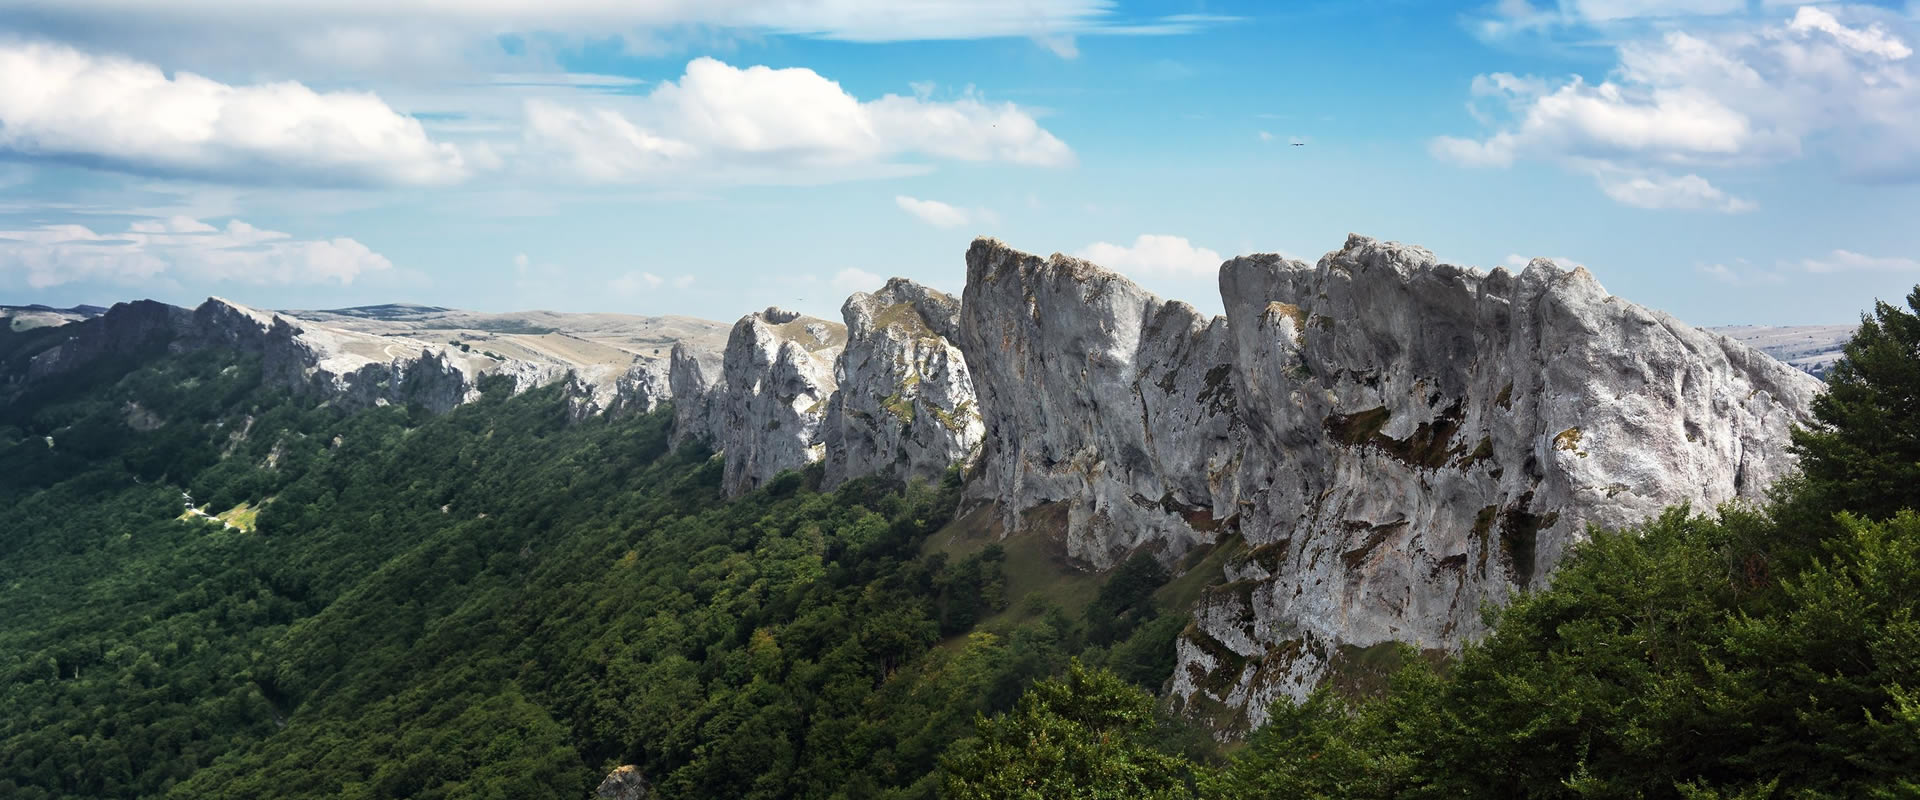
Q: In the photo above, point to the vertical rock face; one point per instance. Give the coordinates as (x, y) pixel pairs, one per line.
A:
(776, 379)
(1100, 396)
(1396, 441)
(905, 405)
(1423, 439)
(694, 380)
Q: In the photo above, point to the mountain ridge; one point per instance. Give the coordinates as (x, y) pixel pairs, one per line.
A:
(1406, 438)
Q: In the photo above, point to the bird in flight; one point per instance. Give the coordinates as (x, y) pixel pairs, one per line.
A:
(1299, 144)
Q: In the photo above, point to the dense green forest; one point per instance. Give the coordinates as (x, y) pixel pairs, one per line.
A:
(500, 603)
(495, 602)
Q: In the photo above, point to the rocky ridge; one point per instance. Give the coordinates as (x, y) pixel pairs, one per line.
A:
(906, 405)
(1393, 440)
(1381, 442)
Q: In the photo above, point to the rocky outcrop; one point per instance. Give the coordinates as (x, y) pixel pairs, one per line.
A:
(695, 381)
(1099, 396)
(624, 783)
(1395, 441)
(127, 329)
(777, 376)
(905, 406)
(1428, 439)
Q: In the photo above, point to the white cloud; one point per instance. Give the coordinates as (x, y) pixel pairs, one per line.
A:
(183, 247)
(1609, 10)
(942, 215)
(385, 37)
(1154, 256)
(1849, 261)
(638, 282)
(1657, 190)
(758, 118)
(1265, 136)
(1871, 40)
(1833, 82)
(58, 103)
(1742, 275)
(857, 280)
(1515, 261)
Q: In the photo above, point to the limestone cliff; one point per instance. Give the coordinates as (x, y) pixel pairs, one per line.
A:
(904, 406)
(1099, 396)
(1396, 441)
(776, 379)
(694, 381)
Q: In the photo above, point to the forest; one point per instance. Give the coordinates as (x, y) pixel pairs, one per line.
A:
(499, 602)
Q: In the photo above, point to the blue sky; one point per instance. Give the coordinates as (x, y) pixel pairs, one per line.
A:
(1726, 160)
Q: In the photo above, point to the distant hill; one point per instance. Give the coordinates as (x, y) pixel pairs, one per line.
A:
(28, 317)
(1810, 348)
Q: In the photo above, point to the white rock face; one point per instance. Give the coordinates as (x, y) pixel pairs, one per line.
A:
(694, 379)
(776, 379)
(1397, 441)
(1102, 397)
(904, 406)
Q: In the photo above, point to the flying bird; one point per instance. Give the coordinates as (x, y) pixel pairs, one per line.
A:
(1299, 144)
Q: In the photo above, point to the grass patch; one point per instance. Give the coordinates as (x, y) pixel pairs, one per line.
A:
(1036, 567)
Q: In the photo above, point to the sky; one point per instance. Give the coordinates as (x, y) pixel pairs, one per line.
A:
(1728, 161)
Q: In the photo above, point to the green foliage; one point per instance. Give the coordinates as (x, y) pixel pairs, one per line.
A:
(494, 602)
(1086, 735)
(1864, 456)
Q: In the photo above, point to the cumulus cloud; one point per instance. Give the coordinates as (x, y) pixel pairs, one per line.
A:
(853, 279)
(1839, 84)
(181, 247)
(1657, 190)
(61, 104)
(1849, 261)
(1155, 256)
(942, 215)
(759, 118)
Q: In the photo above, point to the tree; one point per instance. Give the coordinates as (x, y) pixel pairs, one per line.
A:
(1080, 736)
(1864, 454)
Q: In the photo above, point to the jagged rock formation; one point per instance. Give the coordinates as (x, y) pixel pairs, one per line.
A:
(1397, 440)
(776, 379)
(694, 379)
(624, 783)
(1102, 397)
(905, 406)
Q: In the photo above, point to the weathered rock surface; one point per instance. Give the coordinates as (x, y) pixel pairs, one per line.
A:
(1396, 441)
(905, 406)
(624, 783)
(1100, 396)
(694, 379)
(1429, 438)
(776, 379)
